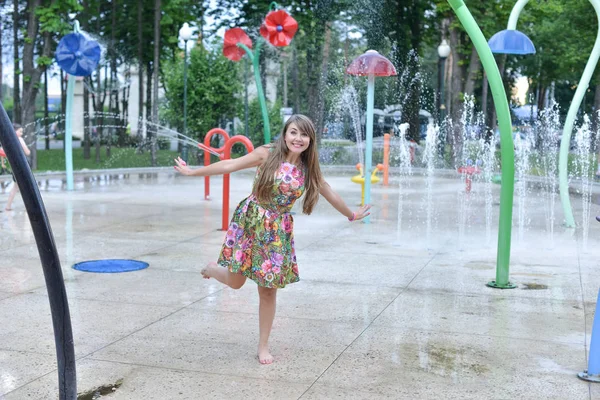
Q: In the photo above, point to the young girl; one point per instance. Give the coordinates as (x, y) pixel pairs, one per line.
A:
(11, 196)
(259, 243)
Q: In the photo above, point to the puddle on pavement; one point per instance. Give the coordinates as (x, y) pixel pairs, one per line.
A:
(100, 391)
(534, 286)
(447, 360)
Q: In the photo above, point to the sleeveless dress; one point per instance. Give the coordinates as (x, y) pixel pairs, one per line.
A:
(259, 243)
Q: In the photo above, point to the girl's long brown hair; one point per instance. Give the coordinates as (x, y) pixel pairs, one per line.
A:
(310, 159)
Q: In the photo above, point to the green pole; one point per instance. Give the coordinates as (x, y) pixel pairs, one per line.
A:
(506, 142)
(514, 14)
(254, 57)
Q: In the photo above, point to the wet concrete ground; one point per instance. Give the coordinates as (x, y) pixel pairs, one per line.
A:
(382, 311)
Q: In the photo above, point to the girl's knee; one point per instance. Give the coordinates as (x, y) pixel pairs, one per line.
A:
(236, 281)
(267, 293)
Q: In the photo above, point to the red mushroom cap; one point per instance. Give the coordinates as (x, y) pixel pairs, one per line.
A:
(371, 63)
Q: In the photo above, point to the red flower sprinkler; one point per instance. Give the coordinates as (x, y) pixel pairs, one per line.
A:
(278, 29)
(468, 171)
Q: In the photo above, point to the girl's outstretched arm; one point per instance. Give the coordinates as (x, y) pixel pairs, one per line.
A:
(336, 201)
(254, 159)
(24, 146)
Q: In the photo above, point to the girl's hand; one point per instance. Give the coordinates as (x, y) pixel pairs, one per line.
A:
(182, 167)
(362, 212)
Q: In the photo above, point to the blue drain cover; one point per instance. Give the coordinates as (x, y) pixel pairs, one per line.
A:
(110, 266)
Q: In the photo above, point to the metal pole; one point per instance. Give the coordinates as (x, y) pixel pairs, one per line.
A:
(184, 152)
(442, 109)
(442, 82)
(506, 142)
(57, 294)
(246, 128)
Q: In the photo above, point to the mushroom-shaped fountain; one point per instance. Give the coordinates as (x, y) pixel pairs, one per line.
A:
(370, 64)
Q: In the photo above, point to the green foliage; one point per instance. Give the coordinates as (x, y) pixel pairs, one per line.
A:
(211, 91)
(256, 125)
(125, 157)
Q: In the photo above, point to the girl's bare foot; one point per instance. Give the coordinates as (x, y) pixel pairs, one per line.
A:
(206, 271)
(264, 356)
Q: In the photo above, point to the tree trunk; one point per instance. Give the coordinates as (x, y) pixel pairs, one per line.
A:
(541, 100)
(87, 120)
(46, 130)
(312, 72)
(473, 74)
(87, 125)
(295, 82)
(595, 117)
(1, 66)
(140, 15)
(320, 123)
(63, 100)
(484, 107)
(501, 64)
(32, 77)
(17, 117)
(149, 127)
(155, 79)
(113, 99)
(456, 101)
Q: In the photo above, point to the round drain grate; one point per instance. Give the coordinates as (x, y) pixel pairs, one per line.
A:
(110, 266)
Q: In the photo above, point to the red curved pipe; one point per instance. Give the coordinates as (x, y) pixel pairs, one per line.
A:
(207, 138)
(227, 155)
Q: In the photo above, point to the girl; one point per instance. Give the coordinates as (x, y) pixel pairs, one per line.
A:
(259, 243)
(11, 196)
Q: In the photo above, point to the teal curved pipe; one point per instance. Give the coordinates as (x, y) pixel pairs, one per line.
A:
(254, 58)
(565, 142)
(506, 142)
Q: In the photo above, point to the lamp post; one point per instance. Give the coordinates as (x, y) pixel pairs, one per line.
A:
(185, 33)
(443, 52)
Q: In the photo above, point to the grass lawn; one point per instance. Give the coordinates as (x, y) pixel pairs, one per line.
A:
(126, 157)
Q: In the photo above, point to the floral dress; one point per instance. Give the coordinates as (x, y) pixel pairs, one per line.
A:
(260, 241)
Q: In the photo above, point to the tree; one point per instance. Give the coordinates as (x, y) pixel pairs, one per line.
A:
(211, 93)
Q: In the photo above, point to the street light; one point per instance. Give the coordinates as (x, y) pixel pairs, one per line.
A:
(185, 33)
(443, 52)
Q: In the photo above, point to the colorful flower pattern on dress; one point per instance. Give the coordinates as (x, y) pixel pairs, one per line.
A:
(259, 242)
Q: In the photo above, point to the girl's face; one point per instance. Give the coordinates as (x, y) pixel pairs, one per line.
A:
(295, 140)
(19, 132)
